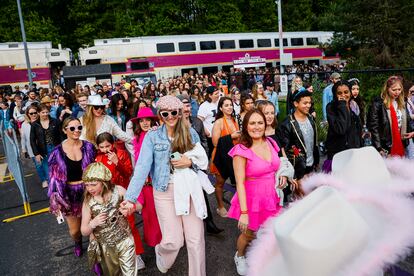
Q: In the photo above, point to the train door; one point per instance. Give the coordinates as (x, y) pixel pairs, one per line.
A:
(56, 72)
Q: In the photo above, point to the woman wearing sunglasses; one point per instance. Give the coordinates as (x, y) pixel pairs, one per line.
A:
(95, 122)
(164, 155)
(66, 165)
(44, 136)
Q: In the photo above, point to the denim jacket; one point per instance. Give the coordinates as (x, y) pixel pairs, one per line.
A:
(154, 159)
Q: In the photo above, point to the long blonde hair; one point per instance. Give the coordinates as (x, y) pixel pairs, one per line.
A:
(88, 121)
(386, 97)
(106, 188)
(182, 136)
(255, 88)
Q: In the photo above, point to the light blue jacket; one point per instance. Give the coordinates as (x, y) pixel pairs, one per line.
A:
(327, 97)
(154, 159)
(273, 98)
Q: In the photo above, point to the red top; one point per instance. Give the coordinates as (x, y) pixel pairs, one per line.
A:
(121, 173)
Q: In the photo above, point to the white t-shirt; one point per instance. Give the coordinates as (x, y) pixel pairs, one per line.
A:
(208, 111)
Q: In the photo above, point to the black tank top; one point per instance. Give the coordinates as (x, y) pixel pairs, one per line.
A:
(73, 170)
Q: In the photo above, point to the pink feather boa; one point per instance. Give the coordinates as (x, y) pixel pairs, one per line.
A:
(397, 233)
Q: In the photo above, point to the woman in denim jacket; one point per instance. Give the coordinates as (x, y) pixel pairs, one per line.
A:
(156, 159)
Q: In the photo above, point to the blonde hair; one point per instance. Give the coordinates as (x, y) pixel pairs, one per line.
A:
(182, 136)
(254, 91)
(296, 86)
(88, 121)
(385, 95)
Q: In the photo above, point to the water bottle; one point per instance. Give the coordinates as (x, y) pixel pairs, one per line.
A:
(366, 136)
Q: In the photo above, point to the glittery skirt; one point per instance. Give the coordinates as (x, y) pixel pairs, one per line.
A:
(70, 203)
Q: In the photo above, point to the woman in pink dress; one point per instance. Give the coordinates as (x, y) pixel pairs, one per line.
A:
(255, 162)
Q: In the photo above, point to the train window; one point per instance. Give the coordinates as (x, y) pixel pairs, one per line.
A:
(312, 41)
(165, 47)
(139, 65)
(186, 46)
(93, 52)
(55, 54)
(285, 42)
(296, 41)
(126, 40)
(210, 70)
(227, 44)
(208, 45)
(92, 61)
(246, 43)
(226, 68)
(14, 45)
(118, 67)
(264, 43)
(105, 41)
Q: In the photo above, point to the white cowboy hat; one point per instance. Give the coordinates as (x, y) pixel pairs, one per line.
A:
(96, 100)
(364, 165)
(341, 228)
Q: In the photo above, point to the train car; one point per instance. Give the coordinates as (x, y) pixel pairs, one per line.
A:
(169, 56)
(45, 62)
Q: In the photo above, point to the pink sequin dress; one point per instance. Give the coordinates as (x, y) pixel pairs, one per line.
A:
(262, 200)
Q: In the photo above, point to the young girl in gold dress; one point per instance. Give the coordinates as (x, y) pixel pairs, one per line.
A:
(113, 246)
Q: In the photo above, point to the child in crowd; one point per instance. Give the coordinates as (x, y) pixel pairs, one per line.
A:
(118, 162)
(113, 245)
(152, 233)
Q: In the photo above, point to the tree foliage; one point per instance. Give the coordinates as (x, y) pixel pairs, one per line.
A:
(376, 33)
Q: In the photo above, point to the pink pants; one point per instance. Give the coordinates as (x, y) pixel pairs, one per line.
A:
(175, 228)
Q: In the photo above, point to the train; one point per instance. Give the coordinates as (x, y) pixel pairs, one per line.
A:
(45, 61)
(166, 56)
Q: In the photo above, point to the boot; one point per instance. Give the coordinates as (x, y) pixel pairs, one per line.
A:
(78, 249)
(97, 269)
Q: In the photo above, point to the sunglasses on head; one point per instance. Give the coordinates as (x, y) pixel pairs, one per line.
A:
(97, 107)
(32, 113)
(165, 114)
(72, 128)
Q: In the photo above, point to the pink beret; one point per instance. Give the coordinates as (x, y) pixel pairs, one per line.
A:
(169, 103)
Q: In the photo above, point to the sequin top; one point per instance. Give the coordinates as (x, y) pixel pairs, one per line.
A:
(116, 227)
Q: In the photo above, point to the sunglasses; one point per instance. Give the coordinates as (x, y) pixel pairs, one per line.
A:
(411, 91)
(165, 114)
(97, 107)
(32, 113)
(72, 128)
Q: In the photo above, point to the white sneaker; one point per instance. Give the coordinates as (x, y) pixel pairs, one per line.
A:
(140, 263)
(241, 264)
(160, 265)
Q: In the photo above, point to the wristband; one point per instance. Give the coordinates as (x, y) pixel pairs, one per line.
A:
(244, 212)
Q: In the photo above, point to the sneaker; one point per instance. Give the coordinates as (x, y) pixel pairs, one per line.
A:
(222, 212)
(140, 263)
(241, 264)
(45, 184)
(158, 257)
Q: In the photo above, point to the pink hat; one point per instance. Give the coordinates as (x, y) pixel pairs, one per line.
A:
(144, 112)
(169, 103)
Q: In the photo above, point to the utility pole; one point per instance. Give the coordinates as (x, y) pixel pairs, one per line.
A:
(26, 51)
(279, 19)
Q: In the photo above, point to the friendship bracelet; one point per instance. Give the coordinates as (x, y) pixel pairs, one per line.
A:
(244, 212)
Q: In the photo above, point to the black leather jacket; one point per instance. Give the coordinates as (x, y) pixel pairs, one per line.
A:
(379, 125)
(344, 128)
(287, 138)
(38, 136)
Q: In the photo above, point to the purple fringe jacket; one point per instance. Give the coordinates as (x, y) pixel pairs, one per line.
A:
(58, 171)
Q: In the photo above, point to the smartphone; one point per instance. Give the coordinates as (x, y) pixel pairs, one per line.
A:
(60, 218)
(175, 156)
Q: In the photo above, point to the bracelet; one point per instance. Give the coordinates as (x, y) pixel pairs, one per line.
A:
(244, 212)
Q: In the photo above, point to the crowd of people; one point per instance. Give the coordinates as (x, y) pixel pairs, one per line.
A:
(104, 153)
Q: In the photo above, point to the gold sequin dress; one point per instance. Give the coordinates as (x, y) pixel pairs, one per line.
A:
(114, 238)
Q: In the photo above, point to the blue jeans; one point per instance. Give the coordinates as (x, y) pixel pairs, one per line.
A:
(43, 168)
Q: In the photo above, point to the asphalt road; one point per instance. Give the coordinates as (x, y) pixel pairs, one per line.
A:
(38, 245)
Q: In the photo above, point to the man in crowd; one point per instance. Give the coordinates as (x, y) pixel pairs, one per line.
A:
(327, 95)
(272, 96)
(32, 99)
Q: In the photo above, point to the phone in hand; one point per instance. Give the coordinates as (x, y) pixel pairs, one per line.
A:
(175, 156)
(60, 218)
